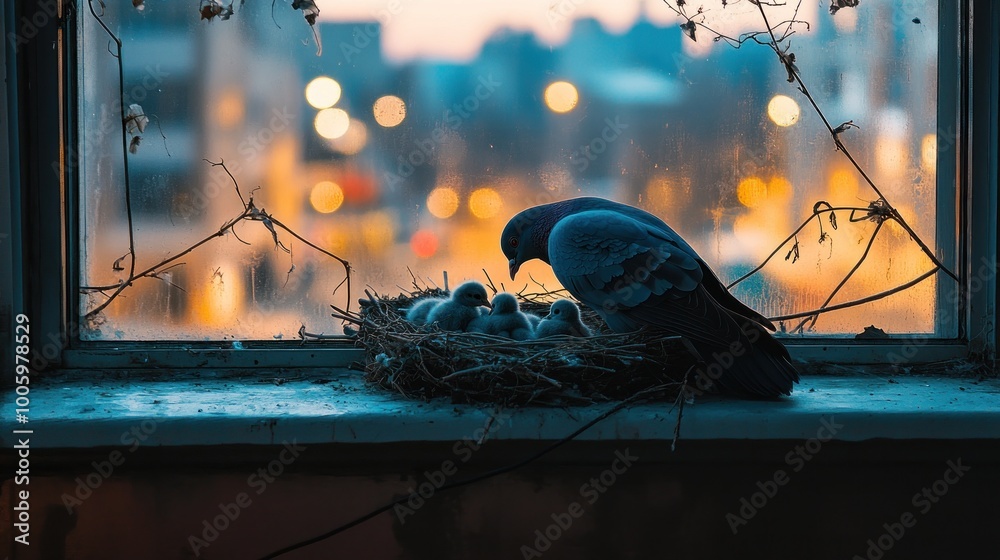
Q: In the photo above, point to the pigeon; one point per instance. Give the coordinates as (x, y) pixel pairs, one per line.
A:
(635, 271)
(419, 312)
(456, 312)
(504, 320)
(563, 318)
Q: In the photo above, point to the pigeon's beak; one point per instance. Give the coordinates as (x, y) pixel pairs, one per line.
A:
(489, 306)
(514, 265)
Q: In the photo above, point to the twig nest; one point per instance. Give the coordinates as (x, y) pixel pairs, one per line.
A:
(427, 362)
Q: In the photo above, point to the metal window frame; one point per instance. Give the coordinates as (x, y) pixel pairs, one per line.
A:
(47, 286)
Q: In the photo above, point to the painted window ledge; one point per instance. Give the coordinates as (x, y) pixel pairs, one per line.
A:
(338, 408)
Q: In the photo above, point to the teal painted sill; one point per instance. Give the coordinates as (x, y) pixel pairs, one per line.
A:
(337, 407)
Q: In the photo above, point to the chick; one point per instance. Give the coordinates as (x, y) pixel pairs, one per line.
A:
(504, 320)
(419, 312)
(563, 318)
(456, 312)
(534, 320)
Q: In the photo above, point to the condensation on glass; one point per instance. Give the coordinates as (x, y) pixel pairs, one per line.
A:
(416, 134)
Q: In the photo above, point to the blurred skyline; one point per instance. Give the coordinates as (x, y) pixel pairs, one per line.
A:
(412, 29)
(417, 159)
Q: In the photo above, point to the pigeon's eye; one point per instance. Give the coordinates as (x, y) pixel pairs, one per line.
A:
(512, 242)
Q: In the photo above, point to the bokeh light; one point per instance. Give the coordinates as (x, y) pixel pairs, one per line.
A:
(442, 202)
(783, 110)
(332, 123)
(891, 155)
(752, 192)
(326, 197)
(352, 141)
(389, 110)
(843, 186)
(928, 152)
(424, 243)
(659, 194)
(219, 299)
(378, 231)
(561, 97)
(231, 108)
(323, 92)
(485, 203)
(779, 189)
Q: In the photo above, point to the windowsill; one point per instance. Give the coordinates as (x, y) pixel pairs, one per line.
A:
(71, 412)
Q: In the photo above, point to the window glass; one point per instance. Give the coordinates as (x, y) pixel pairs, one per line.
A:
(421, 127)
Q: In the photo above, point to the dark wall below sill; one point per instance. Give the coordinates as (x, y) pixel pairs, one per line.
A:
(667, 505)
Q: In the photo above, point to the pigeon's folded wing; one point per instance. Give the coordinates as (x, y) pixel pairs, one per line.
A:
(608, 258)
(635, 274)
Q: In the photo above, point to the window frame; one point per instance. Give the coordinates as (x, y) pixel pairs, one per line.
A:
(47, 286)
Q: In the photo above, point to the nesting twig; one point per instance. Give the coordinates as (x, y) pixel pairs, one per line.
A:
(250, 213)
(426, 362)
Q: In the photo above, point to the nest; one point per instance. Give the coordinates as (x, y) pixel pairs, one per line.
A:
(425, 362)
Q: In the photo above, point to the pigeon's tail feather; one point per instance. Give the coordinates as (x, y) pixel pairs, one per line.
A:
(718, 291)
(763, 370)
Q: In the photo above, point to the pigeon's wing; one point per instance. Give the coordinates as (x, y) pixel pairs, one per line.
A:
(709, 280)
(610, 261)
(635, 274)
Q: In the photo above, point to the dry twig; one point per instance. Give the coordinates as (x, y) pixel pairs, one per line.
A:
(424, 362)
(877, 211)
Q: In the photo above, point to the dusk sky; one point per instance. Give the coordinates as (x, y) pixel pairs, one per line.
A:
(417, 27)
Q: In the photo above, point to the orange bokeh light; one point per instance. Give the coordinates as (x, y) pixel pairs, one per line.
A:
(424, 244)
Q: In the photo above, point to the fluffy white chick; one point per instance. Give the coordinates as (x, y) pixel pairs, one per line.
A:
(563, 318)
(504, 320)
(418, 313)
(456, 312)
(534, 320)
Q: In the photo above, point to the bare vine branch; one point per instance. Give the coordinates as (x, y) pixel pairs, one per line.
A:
(250, 213)
(857, 302)
(125, 145)
(877, 211)
(835, 133)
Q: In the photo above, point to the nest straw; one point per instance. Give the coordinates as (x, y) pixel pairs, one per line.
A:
(425, 362)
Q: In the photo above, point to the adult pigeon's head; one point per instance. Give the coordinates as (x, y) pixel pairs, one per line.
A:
(504, 304)
(564, 310)
(526, 235)
(471, 294)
